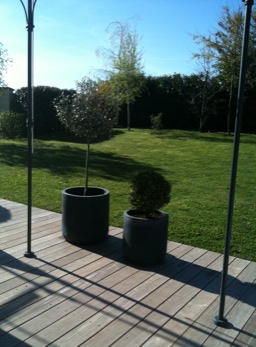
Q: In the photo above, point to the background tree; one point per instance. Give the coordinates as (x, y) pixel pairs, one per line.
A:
(208, 85)
(4, 61)
(224, 45)
(124, 68)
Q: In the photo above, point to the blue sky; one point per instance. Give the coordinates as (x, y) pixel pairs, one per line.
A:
(68, 32)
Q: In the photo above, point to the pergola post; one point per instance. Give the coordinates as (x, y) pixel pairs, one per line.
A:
(220, 319)
(29, 13)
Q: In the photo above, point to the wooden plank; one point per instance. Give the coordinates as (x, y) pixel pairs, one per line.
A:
(22, 227)
(75, 272)
(160, 314)
(178, 323)
(114, 305)
(101, 321)
(242, 310)
(74, 306)
(247, 336)
(70, 296)
(47, 225)
(204, 325)
(21, 237)
(125, 286)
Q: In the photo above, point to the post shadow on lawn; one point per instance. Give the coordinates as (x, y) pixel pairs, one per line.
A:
(5, 214)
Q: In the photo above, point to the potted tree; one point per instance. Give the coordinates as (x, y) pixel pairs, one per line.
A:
(89, 114)
(145, 231)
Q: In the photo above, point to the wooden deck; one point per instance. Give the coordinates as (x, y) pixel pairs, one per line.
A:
(72, 296)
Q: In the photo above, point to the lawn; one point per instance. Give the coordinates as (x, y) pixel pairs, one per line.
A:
(197, 165)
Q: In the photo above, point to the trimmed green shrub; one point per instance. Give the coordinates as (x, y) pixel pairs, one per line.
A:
(149, 191)
(12, 125)
(156, 121)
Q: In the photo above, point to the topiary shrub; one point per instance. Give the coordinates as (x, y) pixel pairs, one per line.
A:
(149, 191)
(12, 125)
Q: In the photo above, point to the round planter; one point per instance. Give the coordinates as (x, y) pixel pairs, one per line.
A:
(85, 219)
(145, 240)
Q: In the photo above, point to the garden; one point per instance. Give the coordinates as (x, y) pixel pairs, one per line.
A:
(197, 164)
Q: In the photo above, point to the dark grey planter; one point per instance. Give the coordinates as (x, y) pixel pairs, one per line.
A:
(85, 219)
(145, 240)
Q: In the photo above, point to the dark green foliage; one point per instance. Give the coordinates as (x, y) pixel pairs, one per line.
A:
(89, 113)
(149, 191)
(12, 125)
(45, 117)
(179, 99)
(156, 121)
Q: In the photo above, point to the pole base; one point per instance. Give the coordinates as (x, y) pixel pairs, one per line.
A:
(29, 254)
(221, 322)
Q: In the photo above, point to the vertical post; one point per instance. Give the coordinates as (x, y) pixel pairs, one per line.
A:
(220, 319)
(30, 121)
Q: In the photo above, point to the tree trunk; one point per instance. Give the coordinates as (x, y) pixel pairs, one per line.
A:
(230, 105)
(86, 167)
(128, 116)
(203, 115)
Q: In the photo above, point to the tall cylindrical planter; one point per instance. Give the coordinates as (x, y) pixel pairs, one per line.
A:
(85, 218)
(145, 240)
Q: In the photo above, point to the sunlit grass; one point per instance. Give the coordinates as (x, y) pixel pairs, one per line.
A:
(198, 165)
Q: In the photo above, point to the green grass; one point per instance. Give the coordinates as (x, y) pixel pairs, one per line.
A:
(198, 165)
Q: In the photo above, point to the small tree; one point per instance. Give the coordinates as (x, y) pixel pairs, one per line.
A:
(123, 65)
(157, 121)
(4, 61)
(89, 114)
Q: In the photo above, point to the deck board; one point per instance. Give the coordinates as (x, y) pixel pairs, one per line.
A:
(91, 296)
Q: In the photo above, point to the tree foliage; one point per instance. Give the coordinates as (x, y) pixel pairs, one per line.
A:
(12, 125)
(223, 48)
(45, 117)
(4, 62)
(88, 113)
(124, 70)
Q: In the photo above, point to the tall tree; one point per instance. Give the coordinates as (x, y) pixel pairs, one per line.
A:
(224, 45)
(4, 61)
(208, 86)
(124, 69)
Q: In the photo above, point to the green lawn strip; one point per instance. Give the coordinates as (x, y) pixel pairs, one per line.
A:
(198, 165)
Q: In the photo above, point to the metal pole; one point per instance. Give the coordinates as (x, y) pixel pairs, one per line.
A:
(29, 13)
(220, 319)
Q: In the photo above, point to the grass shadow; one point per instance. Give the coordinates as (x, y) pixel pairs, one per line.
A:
(65, 136)
(67, 160)
(208, 137)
